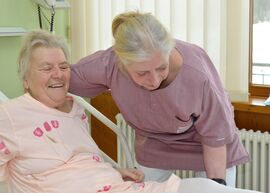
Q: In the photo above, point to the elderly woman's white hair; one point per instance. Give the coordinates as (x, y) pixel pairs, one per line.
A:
(37, 39)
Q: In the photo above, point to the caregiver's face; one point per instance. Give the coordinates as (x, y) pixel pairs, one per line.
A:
(150, 73)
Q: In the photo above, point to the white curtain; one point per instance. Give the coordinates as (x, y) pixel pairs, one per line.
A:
(203, 22)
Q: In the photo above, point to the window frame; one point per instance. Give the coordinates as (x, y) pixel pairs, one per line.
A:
(254, 89)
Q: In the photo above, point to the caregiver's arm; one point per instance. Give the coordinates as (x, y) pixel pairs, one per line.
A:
(215, 159)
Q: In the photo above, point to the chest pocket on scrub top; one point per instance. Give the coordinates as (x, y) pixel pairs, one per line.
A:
(180, 126)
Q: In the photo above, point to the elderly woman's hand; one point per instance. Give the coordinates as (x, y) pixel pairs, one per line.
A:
(131, 174)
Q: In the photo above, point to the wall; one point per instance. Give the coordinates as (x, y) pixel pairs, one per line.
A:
(21, 13)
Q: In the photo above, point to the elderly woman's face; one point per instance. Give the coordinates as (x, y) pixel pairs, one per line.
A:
(49, 75)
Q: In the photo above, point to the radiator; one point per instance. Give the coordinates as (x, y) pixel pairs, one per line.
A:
(254, 175)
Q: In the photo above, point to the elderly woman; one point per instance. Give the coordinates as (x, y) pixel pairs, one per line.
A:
(44, 142)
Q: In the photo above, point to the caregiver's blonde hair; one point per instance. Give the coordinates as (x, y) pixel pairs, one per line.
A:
(138, 36)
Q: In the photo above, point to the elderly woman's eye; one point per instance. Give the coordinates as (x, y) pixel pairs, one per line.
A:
(46, 69)
(64, 67)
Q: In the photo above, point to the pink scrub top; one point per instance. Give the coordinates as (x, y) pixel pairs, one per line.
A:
(171, 123)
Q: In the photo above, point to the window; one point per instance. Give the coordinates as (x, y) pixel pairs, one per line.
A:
(259, 48)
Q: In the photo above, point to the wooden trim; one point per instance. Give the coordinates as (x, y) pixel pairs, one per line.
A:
(254, 90)
(260, 91)
(104, 137)
(255, 104)
(253, 114)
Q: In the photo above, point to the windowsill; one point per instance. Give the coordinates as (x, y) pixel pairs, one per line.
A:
(254, 104)
(252, 114)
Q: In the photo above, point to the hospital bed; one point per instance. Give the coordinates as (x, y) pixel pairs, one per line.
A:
(93, 112)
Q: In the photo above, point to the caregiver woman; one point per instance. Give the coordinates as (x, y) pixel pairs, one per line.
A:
(171, 94)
